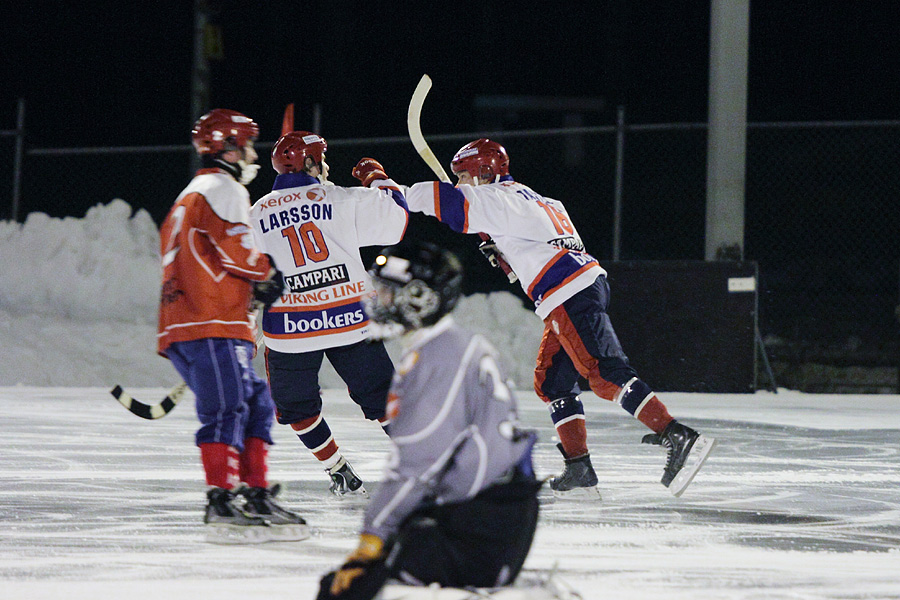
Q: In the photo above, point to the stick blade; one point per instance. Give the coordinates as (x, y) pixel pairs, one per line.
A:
(148, 411)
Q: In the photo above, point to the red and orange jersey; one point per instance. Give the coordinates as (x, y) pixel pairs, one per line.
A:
(209, 260)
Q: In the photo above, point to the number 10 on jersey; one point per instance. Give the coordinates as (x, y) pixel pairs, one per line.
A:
(306, 241)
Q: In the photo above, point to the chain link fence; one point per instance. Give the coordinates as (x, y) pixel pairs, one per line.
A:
(823, 221)
(822, 218)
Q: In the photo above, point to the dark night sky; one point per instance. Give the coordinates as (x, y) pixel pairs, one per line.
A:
(101, 73)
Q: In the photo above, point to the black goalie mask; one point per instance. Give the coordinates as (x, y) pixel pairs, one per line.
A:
(416, 283)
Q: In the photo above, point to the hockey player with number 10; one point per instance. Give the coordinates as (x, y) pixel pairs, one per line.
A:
(536, 237)
(314, 230)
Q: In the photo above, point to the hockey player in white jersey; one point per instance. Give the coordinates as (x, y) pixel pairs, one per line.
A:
(458, 502)
(534, 235)
(313, 230)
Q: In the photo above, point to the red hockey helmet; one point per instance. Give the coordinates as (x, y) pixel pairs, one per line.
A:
(290, 152)
(482, 158)
(221, 130)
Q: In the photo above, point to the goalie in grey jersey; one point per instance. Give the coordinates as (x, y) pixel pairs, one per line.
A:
(458, 503)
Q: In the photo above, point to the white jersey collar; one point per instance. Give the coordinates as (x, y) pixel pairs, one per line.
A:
(419, 337)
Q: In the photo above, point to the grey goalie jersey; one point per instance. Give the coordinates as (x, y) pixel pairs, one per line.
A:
(452, 422)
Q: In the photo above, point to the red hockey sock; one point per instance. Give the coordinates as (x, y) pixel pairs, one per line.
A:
(316, 435)
(654, 414)
(220, 462)
(573, 437)
(253, 462)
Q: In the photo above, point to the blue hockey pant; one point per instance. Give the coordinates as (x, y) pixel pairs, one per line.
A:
(233, 402)
(365, 368)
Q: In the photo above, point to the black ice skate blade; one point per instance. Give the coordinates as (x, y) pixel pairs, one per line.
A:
(288, 533)
(591, 493)
(698, 455)
(220, 533)
(360, 496)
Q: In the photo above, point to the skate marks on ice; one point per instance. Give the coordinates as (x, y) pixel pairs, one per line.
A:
(93, 500)
(765, 486)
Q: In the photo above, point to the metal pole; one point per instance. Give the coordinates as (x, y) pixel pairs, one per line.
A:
(317, 118)
(726, 138)
(17, 164)
(620, 172)
(199, 72)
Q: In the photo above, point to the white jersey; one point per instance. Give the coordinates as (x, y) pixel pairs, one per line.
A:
(314, 233)
(534, 234)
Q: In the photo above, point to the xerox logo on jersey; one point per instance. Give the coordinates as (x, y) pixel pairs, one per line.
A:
(313, 280)
(316, 194)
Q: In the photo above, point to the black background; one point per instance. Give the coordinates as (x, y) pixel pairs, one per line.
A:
(103, 73)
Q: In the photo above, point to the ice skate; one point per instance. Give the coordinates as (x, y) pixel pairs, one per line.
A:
(226, 523)
(686, 451)
(344, 480)
(578, 479)
(284, 525)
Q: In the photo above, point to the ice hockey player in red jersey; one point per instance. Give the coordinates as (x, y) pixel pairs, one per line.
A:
(314, 230)
(212, 272)
(534, 235)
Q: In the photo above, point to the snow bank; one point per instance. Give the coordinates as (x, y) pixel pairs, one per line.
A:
(104, 266)
(78, 305)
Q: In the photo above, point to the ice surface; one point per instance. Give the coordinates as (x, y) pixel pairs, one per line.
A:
(97, 503)
(800, 499)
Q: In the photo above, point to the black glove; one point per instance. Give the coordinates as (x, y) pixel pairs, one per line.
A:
(268, 291)
(361, 576)
(365, 585)
(489, 249)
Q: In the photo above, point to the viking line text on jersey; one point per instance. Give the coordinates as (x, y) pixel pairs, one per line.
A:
(296, 214)
(327, 294)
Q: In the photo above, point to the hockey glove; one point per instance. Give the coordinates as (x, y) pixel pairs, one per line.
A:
(361, 575)
(489, 249)
(268, 291)
(368, 170)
